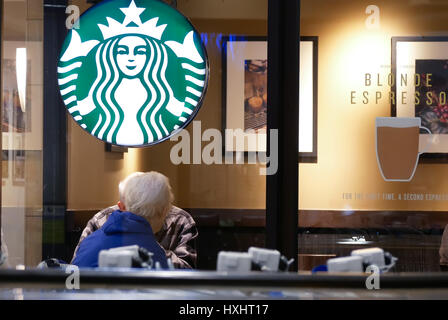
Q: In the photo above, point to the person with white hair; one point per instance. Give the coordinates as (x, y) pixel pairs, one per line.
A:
(145, 200)
(177, 236)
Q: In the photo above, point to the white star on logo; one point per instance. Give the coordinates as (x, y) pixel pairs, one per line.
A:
(132, 14)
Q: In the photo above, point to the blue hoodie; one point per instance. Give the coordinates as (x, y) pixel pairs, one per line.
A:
(121, 229)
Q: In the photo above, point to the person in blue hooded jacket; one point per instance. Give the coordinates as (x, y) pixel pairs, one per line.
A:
(145, 200)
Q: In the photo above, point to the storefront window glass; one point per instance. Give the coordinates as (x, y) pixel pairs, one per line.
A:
(215, 177)
(22, 130)
(372, 121)
(370, 188)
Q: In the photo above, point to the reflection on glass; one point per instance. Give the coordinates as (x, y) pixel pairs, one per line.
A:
(21, 96)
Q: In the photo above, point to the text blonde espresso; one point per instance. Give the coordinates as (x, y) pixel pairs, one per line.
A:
(403, 80)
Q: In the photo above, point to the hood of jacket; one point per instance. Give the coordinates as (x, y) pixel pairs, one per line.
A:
(126, 222)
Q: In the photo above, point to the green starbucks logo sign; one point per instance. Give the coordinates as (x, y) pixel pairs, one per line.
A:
(135, 72)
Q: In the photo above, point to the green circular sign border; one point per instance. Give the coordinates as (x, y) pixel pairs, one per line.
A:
(190, 118)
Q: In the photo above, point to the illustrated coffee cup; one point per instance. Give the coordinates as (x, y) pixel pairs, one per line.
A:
(397, 147)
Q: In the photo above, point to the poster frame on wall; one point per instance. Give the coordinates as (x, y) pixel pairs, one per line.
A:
(406, 51)
(31, 138)
(236, 50)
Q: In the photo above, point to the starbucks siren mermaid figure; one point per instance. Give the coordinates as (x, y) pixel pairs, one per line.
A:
(130, 99)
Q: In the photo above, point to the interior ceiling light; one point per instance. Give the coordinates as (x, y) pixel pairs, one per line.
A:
(356, 240)
(21, 68)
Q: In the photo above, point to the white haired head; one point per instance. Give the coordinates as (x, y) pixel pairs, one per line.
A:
(146, 194)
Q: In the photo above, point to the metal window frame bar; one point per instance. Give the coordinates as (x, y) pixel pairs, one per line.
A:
(1, 115)
(54, 134)
(139, 279)
(283, 99)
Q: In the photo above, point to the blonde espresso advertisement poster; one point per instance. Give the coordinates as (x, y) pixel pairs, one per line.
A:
(421, 111)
